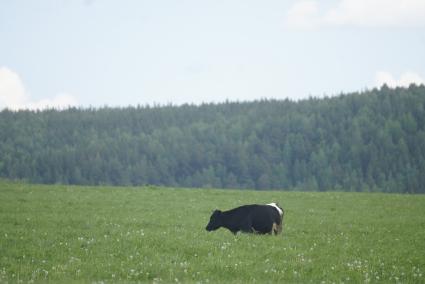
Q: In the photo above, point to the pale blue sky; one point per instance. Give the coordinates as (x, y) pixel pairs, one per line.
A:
(121, 53)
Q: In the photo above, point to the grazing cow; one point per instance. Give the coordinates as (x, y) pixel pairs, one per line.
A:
(260, 219)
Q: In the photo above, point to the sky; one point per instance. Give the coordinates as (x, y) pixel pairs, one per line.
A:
(94, 53)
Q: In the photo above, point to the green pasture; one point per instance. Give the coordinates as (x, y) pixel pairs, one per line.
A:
(151, 234)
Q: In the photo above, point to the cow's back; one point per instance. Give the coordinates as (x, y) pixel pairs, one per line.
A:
(239, 215)
(256, 218)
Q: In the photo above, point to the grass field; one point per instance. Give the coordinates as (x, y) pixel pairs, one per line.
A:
(110, 234)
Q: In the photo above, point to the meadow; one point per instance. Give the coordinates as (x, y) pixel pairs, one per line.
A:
(67, 234)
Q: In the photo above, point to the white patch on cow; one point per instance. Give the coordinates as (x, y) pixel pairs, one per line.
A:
(277, 208)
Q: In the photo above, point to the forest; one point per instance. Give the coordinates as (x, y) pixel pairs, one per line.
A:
(371, 141)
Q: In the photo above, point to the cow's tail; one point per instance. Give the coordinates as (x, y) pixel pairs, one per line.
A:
(278, 224)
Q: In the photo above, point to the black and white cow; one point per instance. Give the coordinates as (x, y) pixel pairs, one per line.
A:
(260, 219)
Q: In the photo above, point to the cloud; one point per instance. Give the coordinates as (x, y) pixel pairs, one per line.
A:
(60, 101)
(378, 13)
(12, 91)
(306, 14)
(405, 79)
(14, 96)
(303, 15)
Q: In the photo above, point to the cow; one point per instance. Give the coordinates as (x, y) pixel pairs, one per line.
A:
(254, 218)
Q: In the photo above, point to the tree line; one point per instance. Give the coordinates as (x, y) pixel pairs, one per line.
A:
(365, 141)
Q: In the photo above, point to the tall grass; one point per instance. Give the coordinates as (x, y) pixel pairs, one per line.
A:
(111, 234)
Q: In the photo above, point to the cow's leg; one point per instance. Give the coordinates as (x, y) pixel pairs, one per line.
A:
(278, 228)
(273, 230)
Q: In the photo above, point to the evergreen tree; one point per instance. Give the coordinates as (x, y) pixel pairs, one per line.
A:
(370, 141)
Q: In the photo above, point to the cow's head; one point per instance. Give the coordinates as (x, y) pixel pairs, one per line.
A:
(215, 221)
